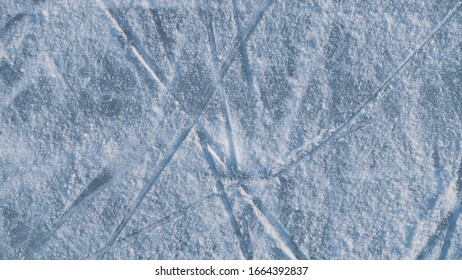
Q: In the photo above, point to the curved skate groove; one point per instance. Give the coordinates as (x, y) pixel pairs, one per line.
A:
(446, 225)
(243, 238)
(174, 148)
(433, 205)
(449, 234)
(122, 26)
(88, 193)
(437, 235)
(346, 125)
(452, 225)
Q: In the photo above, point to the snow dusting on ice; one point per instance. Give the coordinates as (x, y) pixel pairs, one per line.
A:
(237, 129)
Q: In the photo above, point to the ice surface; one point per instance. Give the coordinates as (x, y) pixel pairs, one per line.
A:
(238, 129)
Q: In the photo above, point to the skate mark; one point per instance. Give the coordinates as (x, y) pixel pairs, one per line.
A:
(437, 235)
(177, 143)
(243, 237)
(264, 6)
(144, 191)
(455, 216)
(122, 26)
(450, 232)
(168, 218)
(163, 35)
(243, 48)
(87, 194)
(272, 227)
(346, 125)
(219, 83)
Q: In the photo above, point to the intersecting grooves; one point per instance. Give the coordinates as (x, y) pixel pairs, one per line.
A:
(437, 235)
(220, 87)
(137, 49)
(243, 48)
(168, 218)
(213, 145)
(272, 227)
(144, 191)
(219, 82)
(346, 125)
(275, 230)
(269, 223)
(178, 142)
(264, 6)
(87, 194)
(242, 237)
(165, 161)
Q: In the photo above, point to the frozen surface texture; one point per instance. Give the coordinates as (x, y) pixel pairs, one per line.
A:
(237, 129)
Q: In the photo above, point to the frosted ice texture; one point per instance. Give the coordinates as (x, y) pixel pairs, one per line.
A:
(254, 129)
